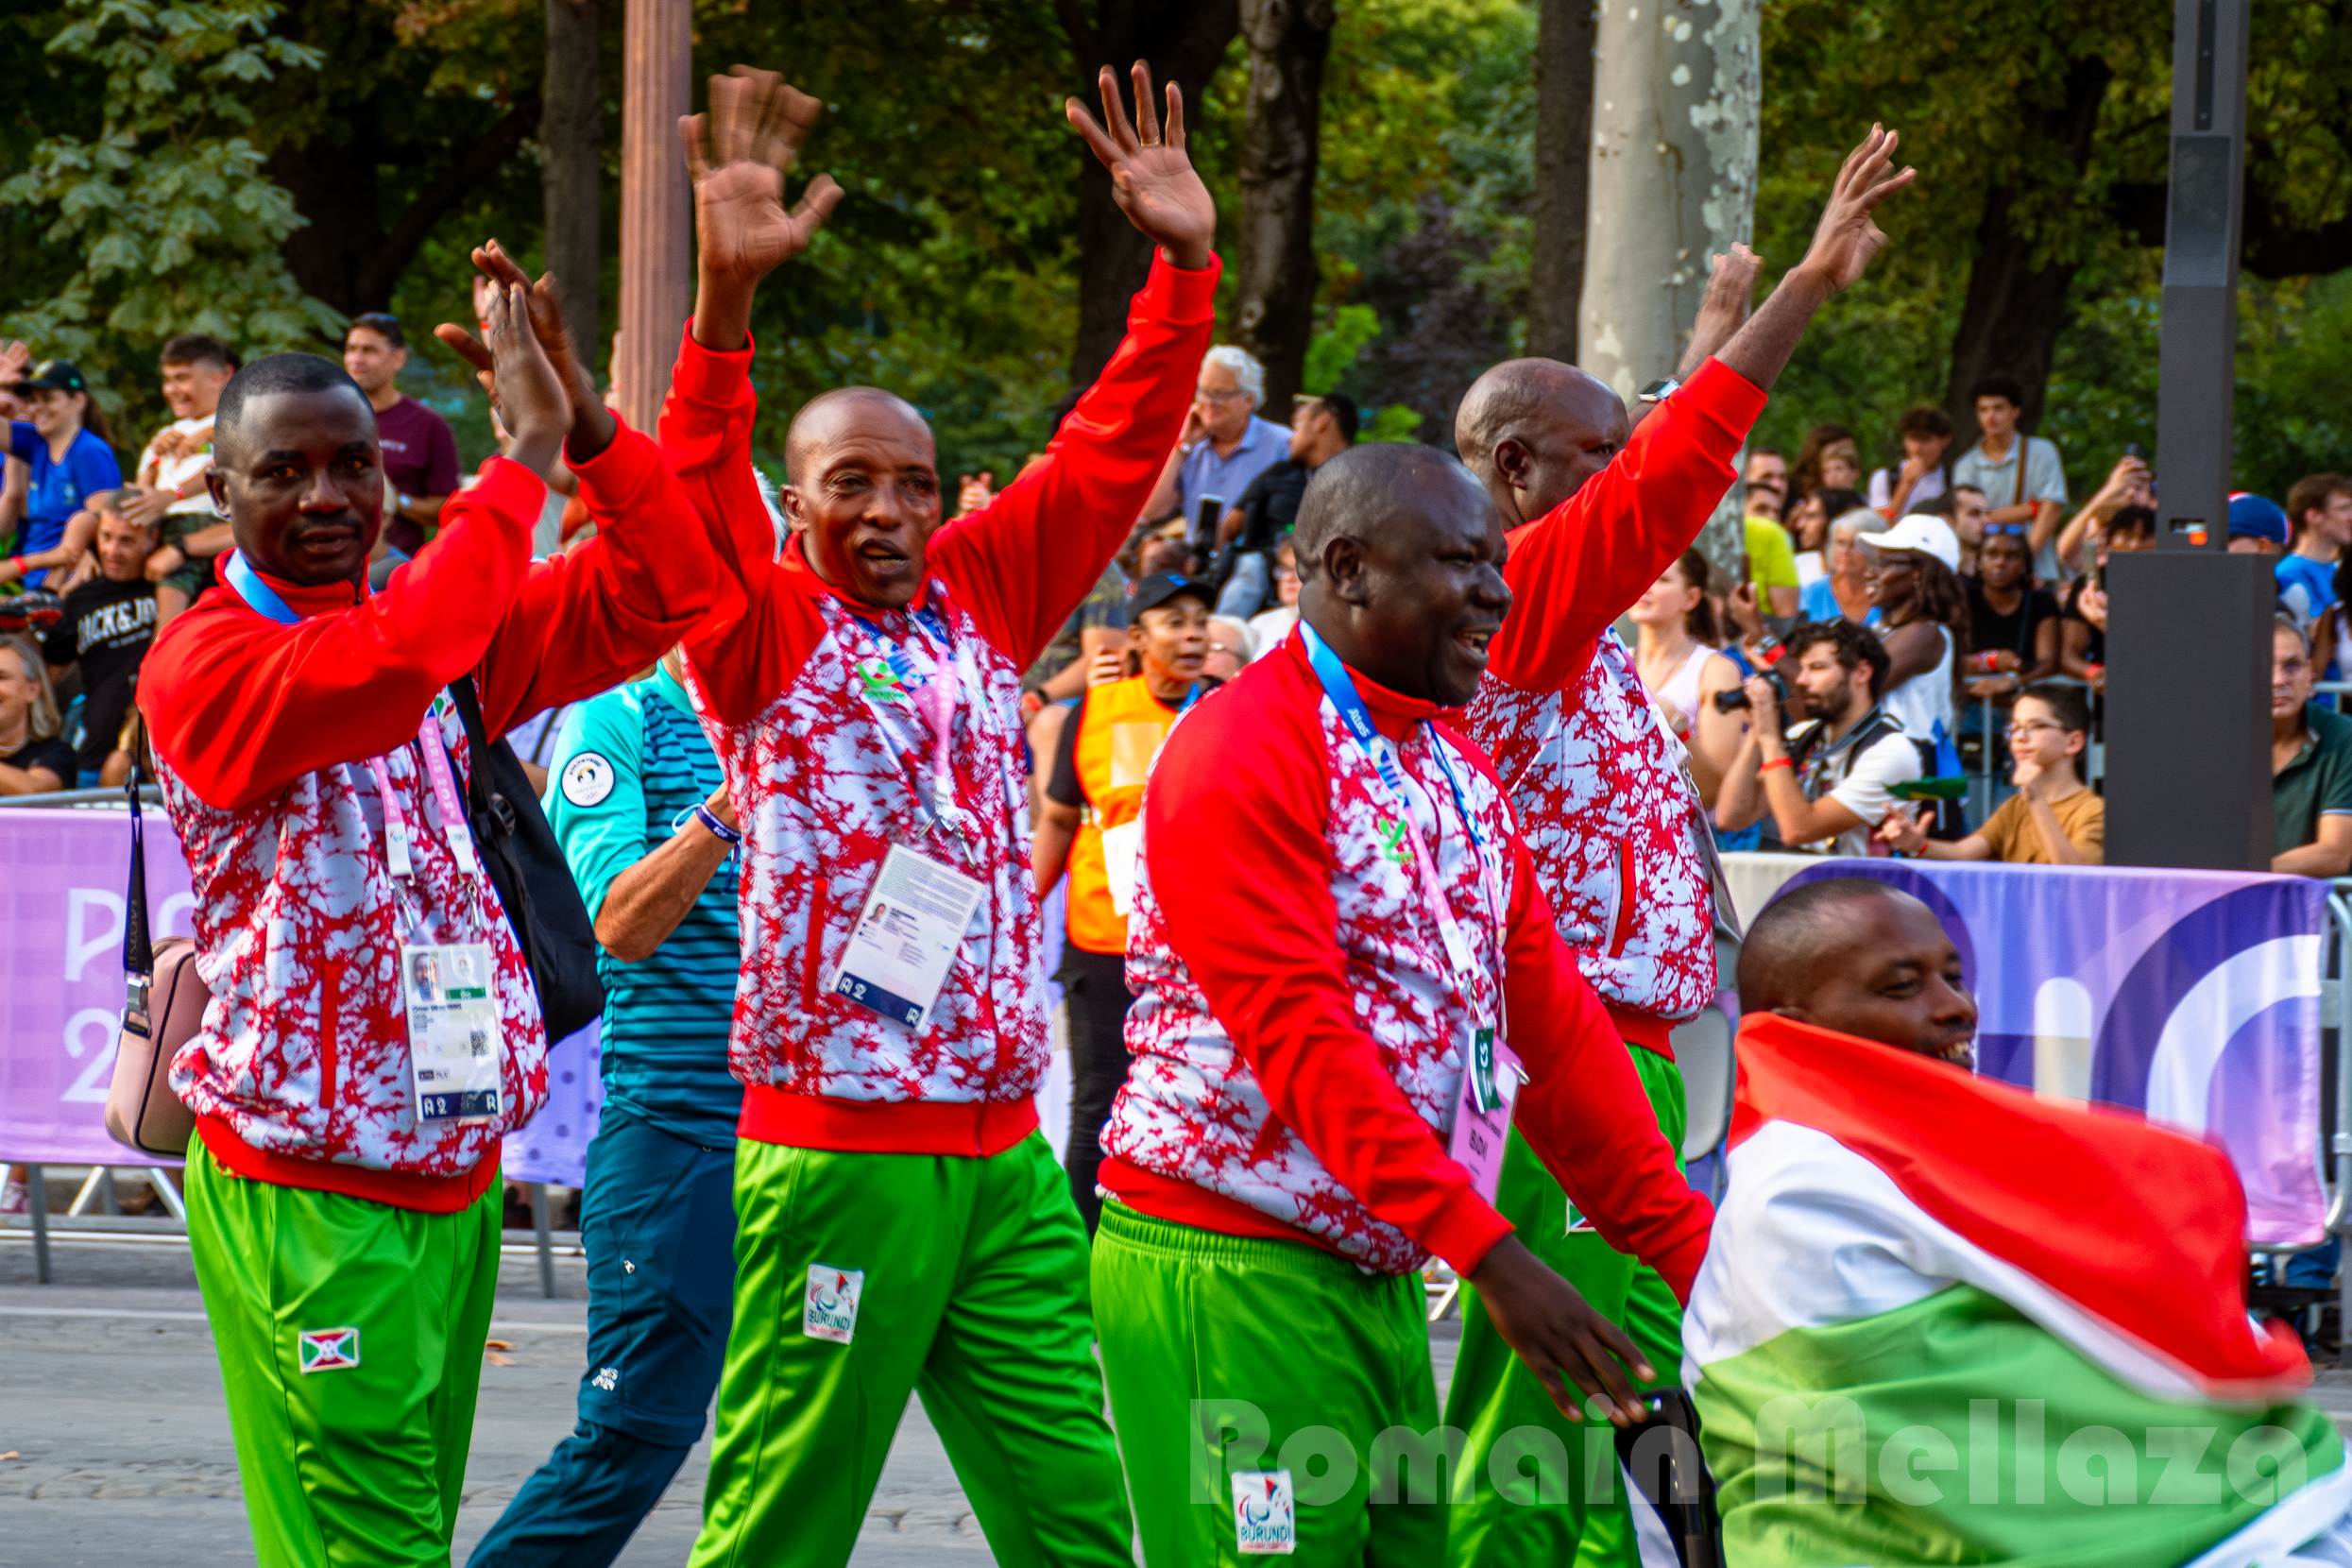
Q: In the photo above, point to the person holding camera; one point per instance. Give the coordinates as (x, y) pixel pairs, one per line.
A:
(1827, 781)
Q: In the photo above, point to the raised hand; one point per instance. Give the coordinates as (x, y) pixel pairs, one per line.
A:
(14, 358)
(592, 426)
(737, 157)
(1846, 239)
(522, 382)
(1151, 179)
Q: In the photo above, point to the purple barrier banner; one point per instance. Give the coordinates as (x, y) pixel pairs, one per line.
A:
(2190, 995)
(554, 1147)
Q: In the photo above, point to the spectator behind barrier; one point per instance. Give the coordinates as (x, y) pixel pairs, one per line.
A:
(1845, 593)
(419, 454)
(1809, 532)
(1926, 471)
(2020, 475)
(103, 635)
(1830, 459)
(2013, 626)
(2083, 634)
(2311, 765)
(1267, 630)
(34, 757)
(170, 490)
(2053, 819)
(1224, 445)
(1765, 483)
(71, 453)
(1824, 783)
(2319, 509)
(2127, 485)
(1320, 429)
(1915, 583)
(1230, 646)
(1676, 656)
(2258, 525)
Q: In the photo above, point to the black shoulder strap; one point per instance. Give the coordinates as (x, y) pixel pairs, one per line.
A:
(477, 744)
(138, 950)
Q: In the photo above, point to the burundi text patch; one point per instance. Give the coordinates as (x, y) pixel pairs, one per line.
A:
(328, 1348)
(831, 1312)
(1266, 1519)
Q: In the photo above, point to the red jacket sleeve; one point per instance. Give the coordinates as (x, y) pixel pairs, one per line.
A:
(241, 707)
(1243, 786)
(599, 612)
(1582, 564)
(1584, 1111)
(762, 625)
(1023, 562)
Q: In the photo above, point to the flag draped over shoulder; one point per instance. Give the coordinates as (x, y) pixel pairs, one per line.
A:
(1941, 1320)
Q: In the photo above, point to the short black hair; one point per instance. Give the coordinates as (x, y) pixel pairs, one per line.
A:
(383, 324)
(1786, 941)
(1924, 420)
(198, 349)
(1344, 409)
(1853, 646)
(1999, 386)
(1358, 490)
(2132, 520)
(273, 374)
(2067, 705)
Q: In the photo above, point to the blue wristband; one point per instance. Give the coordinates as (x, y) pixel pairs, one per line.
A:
(710, 819)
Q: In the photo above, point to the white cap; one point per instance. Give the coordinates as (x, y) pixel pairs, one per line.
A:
(1928, 536)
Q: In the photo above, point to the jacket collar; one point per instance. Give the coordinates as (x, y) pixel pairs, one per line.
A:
(1393, 713)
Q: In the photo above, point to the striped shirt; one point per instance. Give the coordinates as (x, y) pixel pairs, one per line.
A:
(627, 765)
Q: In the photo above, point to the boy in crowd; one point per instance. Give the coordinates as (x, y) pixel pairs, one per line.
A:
(106, 625)
(2319, 508)
(901, 1224)
(2053, 819)
(420, 452)
(343, 1212)
(2020, 476)
(1092, 816)
(1926, 433)
(169, 491)
(1942, 1320)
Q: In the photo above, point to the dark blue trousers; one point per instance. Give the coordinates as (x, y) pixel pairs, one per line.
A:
(658, 1222)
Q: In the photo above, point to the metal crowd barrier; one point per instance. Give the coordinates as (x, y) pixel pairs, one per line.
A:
(148, 796)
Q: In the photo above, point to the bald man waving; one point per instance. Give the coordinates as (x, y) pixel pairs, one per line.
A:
(900, 1223)
(1615, 829)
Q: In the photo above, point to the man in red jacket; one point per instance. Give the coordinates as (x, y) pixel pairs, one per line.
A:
(1337, 943)
(1616, 829)
(374, 1029)
(900, 1223)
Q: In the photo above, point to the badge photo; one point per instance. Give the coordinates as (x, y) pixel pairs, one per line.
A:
(1265, 1517)
(587, 778)
(832, 1309)
(328, 1349)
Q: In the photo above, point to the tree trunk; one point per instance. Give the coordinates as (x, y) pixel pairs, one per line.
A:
(1185, 43)
(571, 145)
(1564, 175)
(2015, 310)
(1676, 92)
(1275, 305)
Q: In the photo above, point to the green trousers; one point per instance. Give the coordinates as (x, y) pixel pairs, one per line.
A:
(350, 1336)
(1561, 1498)
(961, 1279)
(1232, 1356)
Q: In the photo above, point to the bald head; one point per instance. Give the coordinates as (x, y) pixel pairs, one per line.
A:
(1535, 430)
(1855, 955)
(849, 411)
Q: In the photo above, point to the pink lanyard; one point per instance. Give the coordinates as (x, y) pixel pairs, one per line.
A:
(396, 830)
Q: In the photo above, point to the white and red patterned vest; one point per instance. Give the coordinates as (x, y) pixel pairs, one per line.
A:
(822, 794)
(304, 1048)
(1192, 1111)
(1612, 822)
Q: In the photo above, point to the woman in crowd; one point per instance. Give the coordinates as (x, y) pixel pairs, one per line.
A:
(34, 757)
(70, 451)
(1230, 646)
(1676, 658)
(2012, 629)
(1268, 627)
(2082, 633)
(1845, 593)
(1809, 526)
(1915, 585)
(1830, 459)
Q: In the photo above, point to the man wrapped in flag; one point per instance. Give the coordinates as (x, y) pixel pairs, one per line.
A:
(1942, 1320)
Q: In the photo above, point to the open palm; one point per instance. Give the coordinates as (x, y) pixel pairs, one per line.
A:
(1152, 178)
(737, 157)
(1847, 238)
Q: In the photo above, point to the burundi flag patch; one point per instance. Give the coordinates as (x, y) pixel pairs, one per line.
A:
(328, 1348)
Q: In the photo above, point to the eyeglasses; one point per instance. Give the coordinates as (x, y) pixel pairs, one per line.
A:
(2028, 728)
(1208, 396)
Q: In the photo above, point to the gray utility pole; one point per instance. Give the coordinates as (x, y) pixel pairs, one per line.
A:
(2189, 625)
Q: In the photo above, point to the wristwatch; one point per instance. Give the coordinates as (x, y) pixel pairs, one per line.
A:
(1659, 390)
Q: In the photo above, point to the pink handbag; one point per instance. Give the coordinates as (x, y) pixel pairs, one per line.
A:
(165, 1009)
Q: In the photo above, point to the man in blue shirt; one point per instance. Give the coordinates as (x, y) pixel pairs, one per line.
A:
(2319, 509)
(1223, 448)
(639, 802)
(67, 444)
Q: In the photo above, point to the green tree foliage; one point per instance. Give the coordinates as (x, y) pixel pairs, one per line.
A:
(167, 208)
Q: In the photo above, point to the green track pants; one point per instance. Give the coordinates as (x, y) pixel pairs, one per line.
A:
(1229, 1355)
(350, 1334)
(1568, 1503)
(961, 1279)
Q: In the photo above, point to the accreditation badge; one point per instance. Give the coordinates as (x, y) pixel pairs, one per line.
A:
(456, 1048)
(1491, 1075)
(907, 937)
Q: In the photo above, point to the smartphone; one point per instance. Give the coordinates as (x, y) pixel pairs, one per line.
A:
(1211, 511)
(2131, 449)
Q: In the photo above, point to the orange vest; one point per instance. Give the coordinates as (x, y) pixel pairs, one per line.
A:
(1119, 730)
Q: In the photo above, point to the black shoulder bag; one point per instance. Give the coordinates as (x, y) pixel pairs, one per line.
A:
(533, 882)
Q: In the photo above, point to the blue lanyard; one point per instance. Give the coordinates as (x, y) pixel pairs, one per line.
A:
(257, 595)
(1340, 688)
(1192, 695)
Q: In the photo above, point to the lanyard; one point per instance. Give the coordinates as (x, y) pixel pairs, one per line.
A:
(266, 600)
(1192, 694)
(1340, 688)
(896, 679)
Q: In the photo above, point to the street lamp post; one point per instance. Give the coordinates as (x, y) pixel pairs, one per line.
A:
(2188, 702)
(655, 225)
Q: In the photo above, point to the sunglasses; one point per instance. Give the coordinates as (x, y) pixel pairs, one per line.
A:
(2017, 528)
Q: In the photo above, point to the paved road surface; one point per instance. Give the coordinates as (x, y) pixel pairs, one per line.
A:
(110, 1397)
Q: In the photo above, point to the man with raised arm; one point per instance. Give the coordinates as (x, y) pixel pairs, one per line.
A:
(1338, 944)
(1615, 827)
(901, 1223)
(374, 1029)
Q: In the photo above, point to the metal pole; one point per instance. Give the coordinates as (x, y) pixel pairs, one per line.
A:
(547, 1239)
(656, 223)
(37, 1192)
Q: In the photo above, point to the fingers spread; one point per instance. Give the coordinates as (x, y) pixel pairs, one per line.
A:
(1115, 119)
(1175, 116)
(463, 345)
(693, 133)
(815, 206)
(1097, 143)
(1146, 118)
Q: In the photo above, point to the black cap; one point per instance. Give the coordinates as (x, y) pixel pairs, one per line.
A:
(1159, 589)
(54, 374)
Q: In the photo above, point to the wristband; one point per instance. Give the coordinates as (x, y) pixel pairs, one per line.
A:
(1775, 762)
(710, 819)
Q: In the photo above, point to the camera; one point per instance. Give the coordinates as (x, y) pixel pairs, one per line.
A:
(1736, 698)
